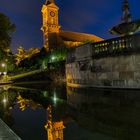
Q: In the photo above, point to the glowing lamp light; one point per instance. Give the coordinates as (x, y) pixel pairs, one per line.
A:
(4, 100)
(53, 57)
(3, 65)
(54, 98)
(4, 73)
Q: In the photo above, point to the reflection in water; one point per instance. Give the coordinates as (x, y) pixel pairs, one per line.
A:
(114, 113)
(24, 103)
(6, 104)
(54, 129)
(88, 114)
(24, 110)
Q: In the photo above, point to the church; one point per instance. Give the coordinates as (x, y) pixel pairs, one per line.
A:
(53, 36)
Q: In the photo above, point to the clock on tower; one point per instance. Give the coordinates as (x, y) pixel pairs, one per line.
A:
(52, 13)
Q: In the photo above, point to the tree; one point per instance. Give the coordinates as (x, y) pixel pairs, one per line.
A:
(6, 29)
(32, 51)
(20, 55)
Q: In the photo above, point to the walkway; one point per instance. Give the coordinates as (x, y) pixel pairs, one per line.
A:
(6, 133)
(22, 75)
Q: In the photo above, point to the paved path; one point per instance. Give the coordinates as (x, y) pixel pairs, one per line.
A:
(6, 133)
(26, 74)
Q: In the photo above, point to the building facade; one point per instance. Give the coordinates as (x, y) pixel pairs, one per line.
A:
(53, 35)
(109, 63)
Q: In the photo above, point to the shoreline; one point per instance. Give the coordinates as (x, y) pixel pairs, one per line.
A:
(6, 83)
(73, 85)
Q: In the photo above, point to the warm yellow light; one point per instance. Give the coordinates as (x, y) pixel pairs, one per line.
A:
(4, 100)
(4, 73)
(3, 65)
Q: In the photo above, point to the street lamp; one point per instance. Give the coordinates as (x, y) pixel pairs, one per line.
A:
(4, 100)
(53, 58)
(4, 70)
(3, 65)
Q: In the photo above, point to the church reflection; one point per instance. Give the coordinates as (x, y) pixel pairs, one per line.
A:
(54, 129)
(84, 112)
(21, 99)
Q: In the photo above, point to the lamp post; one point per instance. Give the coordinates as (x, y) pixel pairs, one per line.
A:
(0, 76)
(5, 70)
(3, 65)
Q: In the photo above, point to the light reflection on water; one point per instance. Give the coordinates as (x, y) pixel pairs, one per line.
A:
(87, 114)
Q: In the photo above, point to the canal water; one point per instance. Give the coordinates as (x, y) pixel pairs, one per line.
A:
(88, 114)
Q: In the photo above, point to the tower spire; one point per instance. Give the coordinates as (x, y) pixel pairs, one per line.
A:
(49, 1)
(126, 13)
(52, 1)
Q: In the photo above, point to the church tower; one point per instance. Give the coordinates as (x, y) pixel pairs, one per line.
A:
(54, 129)
(50, 25)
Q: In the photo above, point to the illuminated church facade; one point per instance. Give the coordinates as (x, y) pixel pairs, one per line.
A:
(53, 36)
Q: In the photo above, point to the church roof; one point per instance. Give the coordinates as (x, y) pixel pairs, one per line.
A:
(78, 37)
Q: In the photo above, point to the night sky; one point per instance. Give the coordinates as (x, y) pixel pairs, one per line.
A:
(89, 16)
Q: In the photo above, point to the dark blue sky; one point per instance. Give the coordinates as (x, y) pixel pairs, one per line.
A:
(89, 16)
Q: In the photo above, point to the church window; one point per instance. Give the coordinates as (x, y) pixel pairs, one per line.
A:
(52, 20)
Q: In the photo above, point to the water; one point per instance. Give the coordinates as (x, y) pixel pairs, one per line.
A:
(88, 114)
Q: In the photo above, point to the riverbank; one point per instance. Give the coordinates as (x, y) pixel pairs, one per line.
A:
(6, 83)
(73, 85)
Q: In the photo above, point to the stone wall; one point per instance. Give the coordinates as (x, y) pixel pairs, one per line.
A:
(114, 62)
(117, 71)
